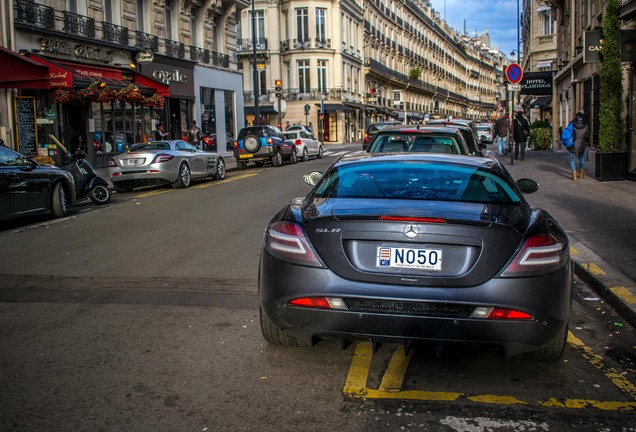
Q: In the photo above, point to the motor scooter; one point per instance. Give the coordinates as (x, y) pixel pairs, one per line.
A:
(87, 182)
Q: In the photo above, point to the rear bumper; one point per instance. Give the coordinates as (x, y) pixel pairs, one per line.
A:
(547, 298)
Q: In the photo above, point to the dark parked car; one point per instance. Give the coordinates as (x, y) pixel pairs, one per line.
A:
(430, 139)
(469, 132)
(373, 129)
(417, 247)
(28, 188)
(260, 144)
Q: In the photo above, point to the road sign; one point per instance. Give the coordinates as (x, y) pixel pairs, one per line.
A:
(514, 73)
(280, 103)
(514, 87)
(307, 108)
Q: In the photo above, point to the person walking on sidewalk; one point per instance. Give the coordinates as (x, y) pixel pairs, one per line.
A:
(520, 134)
(577, 150)
(194, 135)
(501, 129)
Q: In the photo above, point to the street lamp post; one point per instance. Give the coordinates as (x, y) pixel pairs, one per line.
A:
(257, 116)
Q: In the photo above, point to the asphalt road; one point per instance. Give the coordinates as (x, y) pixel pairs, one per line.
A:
(142, 316)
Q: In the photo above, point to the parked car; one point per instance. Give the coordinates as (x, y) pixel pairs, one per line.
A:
(173, 162)
(301, 127)
(469, 131)
(210, 142)
(485, 130)
(306, 144)
(260, 144)
(432, 139)
(417, 247)
(28, 188)
(373, 129)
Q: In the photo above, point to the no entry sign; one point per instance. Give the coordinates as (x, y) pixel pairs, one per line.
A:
(514, 73)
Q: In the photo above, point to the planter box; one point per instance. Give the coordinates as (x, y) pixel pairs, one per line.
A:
(611, 166)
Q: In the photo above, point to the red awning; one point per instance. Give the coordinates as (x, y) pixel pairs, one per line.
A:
(64, 74)
(22, 72)
(161, 88)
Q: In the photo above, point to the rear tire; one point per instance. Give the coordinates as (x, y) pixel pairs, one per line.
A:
(293, 159)
(59, 203)
(305, 157)
(184, 180)
(551, 352)
(220, 169)
(320, 152)
(275, 336)
(277, 159)
(99, 194)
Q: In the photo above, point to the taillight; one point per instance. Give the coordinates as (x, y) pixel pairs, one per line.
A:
(287, 241)
(319, 303)
(540, 254)
(498, 313)
(162, 157)
(413, 219)
(235, 145)
(269, 140)
(366, 138)
(297, 142)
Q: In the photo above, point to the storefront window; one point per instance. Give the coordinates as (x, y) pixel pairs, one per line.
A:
(230, 132)
(208, 113)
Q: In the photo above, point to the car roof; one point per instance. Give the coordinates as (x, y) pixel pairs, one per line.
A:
(415, 129)
(474, 161)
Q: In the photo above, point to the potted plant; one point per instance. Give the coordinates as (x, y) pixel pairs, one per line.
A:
(611, 158)
(540, 135)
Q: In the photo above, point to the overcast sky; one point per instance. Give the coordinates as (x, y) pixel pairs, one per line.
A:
(497, 17)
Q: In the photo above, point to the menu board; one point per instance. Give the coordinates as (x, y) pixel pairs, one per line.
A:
(26, 131)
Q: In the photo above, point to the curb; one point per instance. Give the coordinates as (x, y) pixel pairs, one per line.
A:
(609, 283)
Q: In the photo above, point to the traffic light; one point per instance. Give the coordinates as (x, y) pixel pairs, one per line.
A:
(278, 88)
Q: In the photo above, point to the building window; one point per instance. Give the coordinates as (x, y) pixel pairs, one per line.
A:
(260, 25)
(139, 18)
(168, 15)
(322, 76)
(303, 76)
(71, 6)
(547, 25)
(108, 11)
(194, 29)
(321, 24)
(302, 24)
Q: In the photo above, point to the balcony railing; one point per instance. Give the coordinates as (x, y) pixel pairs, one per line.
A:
(175, 49)
(322, 43)
(35, 14)
(146, 42)
(114, 33)
(29, 13)
(79, 25)
(297, 94)
(246, 45)
(199, 54)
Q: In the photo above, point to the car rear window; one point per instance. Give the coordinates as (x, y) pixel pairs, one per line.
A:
(438, 181)
(155, 145)
(420, 143)
(257, 130)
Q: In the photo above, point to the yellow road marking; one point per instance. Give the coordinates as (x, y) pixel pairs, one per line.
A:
(393, 378)
(573, 251)
(594, 269)
(226, 180)
(625, 294)
(153, 193)
(395, 372)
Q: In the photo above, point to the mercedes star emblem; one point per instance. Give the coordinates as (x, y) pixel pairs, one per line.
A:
(411, 231)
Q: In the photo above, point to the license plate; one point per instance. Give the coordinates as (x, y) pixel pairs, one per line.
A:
(246, 156)
(135, 161)
(413, 258)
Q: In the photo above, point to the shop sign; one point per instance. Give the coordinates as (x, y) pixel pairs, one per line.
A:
(537, 83)
(593, 44)
(79, 51)
(145, 57)
(166, 76)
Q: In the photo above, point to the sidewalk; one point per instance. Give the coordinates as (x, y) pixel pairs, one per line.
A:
(599, 217)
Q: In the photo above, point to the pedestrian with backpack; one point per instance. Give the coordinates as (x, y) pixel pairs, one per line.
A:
(575, 137)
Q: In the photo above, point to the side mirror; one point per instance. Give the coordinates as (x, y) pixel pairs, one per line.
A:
(311, 178)
(527, 186)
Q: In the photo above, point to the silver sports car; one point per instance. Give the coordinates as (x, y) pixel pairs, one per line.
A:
(417, 247)
(159, 162)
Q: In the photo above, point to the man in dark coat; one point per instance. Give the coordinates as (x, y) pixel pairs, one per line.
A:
(520, 134)
(501, 131)
(577, 151)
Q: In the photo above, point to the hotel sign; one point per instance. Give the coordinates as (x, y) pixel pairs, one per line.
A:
(537, 83)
